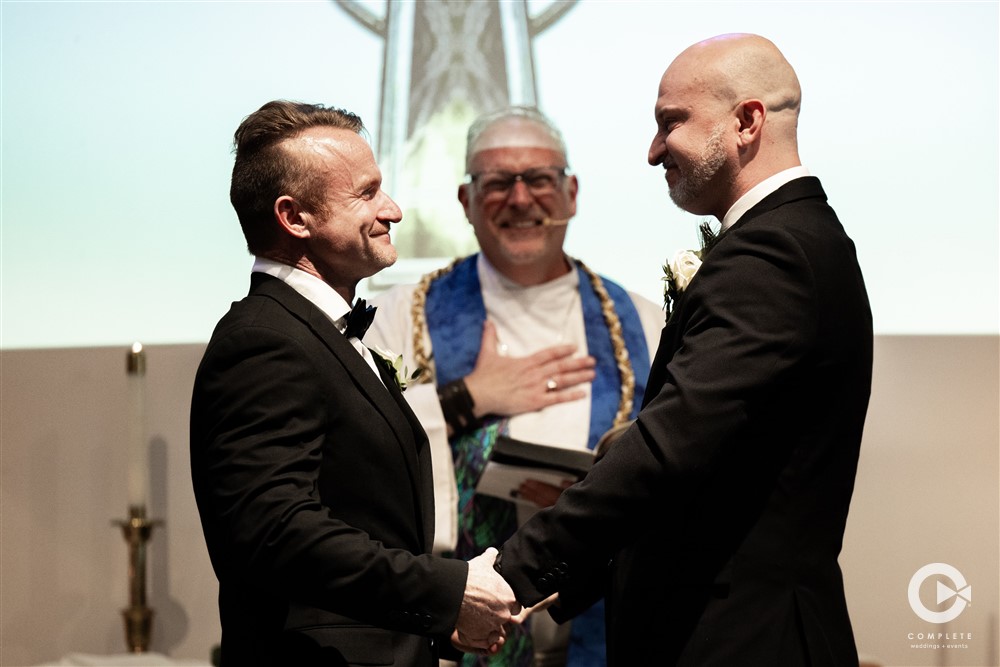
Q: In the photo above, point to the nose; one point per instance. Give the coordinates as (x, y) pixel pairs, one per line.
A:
(390, 211)
(657, 149)
(519, 194)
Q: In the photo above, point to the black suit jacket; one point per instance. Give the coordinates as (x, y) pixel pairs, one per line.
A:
(313, 481)
(722, 510)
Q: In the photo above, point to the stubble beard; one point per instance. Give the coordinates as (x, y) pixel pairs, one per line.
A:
(385, 257)
(693, 185)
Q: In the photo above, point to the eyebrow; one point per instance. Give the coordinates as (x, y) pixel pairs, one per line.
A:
(668, 112)
(367, 184)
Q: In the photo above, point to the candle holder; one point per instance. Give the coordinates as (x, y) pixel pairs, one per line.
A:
(137, 530)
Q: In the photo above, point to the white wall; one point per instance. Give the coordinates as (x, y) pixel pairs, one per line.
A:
(927, 491)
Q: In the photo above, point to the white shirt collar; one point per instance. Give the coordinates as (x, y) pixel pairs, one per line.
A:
(490, 277)
(754, 195)
(312, 288)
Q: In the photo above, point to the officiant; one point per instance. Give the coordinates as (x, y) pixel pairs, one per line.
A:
(517, 340)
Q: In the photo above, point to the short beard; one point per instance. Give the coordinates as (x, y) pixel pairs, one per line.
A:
(692, 186)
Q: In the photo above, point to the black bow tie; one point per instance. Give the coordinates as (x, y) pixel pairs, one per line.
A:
(359, 319)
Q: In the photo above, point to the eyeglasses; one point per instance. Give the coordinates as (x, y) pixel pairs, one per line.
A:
(540, 180)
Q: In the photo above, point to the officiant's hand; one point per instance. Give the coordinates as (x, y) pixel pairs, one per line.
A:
(510, 386)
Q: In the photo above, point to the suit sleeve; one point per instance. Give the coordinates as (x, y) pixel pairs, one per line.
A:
(745, 326)
(262, 414)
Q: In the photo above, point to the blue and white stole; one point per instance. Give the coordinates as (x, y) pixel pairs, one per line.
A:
(455, 314)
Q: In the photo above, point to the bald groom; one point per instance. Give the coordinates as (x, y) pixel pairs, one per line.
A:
(715, 523)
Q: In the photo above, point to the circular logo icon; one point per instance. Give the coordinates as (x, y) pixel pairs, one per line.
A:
(959, 592)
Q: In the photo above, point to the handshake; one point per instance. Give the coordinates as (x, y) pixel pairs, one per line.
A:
(488, 608)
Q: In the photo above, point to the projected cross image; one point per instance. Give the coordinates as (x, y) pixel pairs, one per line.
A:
(445, 63)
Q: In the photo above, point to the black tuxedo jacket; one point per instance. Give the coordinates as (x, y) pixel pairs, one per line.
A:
(313, 481)
(716, 521)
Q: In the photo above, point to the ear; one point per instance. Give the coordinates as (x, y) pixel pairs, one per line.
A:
(290, 216)
(572, 187)
(463, 197)
(751, 115)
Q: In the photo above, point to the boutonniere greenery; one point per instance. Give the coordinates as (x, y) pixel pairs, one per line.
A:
(680, 271)
(394, 363)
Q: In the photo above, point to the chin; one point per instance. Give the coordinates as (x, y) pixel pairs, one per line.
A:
(685, 200)
(383, 257)
(523, 252)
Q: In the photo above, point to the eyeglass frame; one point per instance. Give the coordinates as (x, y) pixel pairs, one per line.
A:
(518, 177)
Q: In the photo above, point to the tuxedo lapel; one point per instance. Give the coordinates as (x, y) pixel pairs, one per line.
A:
(658, 369)
(425, 478)
(807, 187)
(389, 379)
(801, 188)
(367, 383)
(669, 341)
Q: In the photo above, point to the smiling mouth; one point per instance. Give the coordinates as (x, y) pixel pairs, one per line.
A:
(520, 224)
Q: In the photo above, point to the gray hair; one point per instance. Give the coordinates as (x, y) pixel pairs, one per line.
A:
(527, 113)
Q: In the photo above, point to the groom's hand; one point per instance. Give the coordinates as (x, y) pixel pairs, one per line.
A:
(487, 606)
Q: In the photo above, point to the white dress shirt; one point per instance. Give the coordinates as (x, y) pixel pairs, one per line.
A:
(321, 295)
(754, 195)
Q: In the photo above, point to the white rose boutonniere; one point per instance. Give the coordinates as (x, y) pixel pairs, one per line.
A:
(677, 275)
(680, 271)
(683, 267)
(394, 362)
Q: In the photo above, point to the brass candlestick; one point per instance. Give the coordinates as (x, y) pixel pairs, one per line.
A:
(138, 617)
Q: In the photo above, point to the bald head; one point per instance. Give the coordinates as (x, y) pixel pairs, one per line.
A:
(513, 127)
(737, 67)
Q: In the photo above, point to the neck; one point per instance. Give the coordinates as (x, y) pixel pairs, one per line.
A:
(752, 175)
(346, 289)
(529, 275)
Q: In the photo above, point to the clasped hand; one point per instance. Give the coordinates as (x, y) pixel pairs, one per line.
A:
(487, 607)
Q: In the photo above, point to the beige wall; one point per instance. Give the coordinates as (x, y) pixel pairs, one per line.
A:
(63, 481)
(927, 491)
